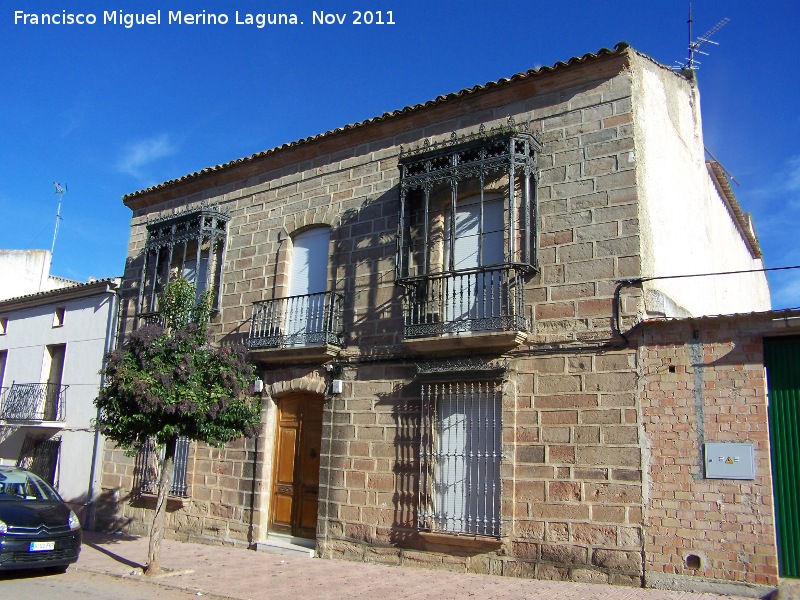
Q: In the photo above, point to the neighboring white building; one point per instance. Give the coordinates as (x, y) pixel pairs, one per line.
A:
(27, 272)
(52, 345)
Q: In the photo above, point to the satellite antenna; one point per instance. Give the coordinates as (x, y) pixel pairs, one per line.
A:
(695, 45)
(60, 191)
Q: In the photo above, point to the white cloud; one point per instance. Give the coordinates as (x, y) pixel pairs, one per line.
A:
(140, 154)
(793, 175)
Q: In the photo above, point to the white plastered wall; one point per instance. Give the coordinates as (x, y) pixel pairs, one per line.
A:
(685, 226)
(29, 332)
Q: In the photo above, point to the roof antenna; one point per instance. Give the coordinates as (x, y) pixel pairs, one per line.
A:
(60, 191)
(694, 45)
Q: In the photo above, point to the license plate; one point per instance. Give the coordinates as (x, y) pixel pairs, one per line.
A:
(41, 546)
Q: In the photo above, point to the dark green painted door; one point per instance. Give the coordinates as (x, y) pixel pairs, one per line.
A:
(782, 358)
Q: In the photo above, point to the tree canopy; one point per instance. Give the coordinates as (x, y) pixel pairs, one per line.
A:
(169, 380)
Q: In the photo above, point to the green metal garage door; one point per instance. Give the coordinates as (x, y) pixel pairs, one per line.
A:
(782, 358)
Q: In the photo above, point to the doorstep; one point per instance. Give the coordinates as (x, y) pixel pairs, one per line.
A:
(288, 546)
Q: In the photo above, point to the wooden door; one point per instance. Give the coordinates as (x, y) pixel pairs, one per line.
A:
(295, 491)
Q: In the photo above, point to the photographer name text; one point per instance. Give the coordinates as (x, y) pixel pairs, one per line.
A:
(129, 20)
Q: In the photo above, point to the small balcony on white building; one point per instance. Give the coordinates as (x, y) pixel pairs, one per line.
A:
(34, 404)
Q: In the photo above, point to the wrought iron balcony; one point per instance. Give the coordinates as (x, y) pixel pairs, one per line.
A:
(34, 402)
(297, 321)
(467, 302)
(151, 318)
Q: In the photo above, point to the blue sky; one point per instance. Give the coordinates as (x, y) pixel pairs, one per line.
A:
(110, 110)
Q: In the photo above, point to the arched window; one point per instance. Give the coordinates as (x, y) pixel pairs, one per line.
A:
(308, 283)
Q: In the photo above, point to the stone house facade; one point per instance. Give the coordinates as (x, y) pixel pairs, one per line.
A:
(439, 302)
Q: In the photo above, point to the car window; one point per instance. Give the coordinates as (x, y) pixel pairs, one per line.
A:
(24, 486)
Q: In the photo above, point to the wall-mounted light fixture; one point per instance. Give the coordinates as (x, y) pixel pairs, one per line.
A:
(258, 385)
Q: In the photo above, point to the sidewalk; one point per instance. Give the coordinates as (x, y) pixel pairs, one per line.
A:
(225, 572)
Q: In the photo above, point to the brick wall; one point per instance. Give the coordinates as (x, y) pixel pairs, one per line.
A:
(705, 382)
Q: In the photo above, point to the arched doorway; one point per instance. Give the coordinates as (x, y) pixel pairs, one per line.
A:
(295, 487)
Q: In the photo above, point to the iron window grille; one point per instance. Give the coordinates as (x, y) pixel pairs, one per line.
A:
(188, 244)
(460, 457)
(40, 456)
(489, 166)
(147, 472)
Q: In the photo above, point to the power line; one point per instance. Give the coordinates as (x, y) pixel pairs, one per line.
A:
(640, 279)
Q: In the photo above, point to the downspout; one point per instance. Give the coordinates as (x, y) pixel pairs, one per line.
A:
(111, 332)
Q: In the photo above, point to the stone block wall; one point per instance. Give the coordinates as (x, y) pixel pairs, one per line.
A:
(704, 381)
(572, 467)
(572, 494)
(220, 488)
(574, 429)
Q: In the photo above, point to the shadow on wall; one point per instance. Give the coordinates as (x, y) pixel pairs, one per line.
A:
(404, 401)
(367, 237)
(108, 512)
(11, 439)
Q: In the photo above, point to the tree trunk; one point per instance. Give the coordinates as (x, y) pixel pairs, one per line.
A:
(159, 518)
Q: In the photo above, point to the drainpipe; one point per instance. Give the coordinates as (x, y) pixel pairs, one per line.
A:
(111, 332)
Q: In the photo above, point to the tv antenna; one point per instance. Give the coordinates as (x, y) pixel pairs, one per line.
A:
(60, 191)
(695, 45)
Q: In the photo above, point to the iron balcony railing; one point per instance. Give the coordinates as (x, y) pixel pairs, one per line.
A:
(34, 402)
(311, 319)
(151, 318)
(479, 300)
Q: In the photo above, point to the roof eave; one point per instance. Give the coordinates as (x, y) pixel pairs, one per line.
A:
(83, 290)
(134, 199)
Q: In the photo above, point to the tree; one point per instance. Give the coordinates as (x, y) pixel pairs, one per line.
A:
(169, 381)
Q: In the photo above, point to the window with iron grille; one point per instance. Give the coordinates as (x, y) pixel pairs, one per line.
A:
(39, 455)
(467, 234)
(148, 468)
(188, 244)
(460, 455)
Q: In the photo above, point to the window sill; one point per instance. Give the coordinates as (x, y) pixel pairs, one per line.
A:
(437, 541)
(149, 501)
